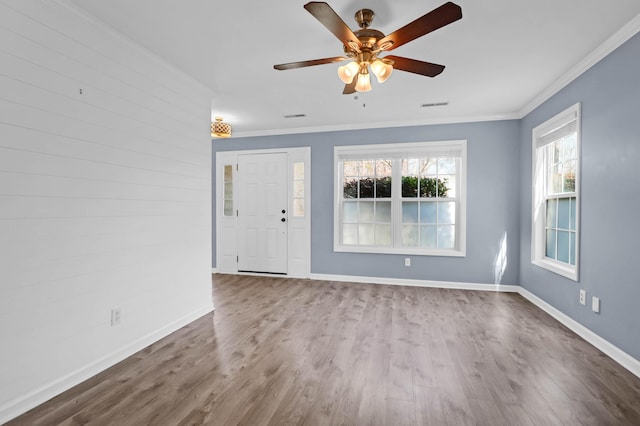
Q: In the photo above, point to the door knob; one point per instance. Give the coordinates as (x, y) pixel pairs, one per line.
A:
(283, 211)
(283, 220)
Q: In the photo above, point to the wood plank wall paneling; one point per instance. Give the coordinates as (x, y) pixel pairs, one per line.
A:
(105, 199)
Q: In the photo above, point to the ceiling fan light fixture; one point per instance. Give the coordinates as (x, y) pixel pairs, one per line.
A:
(382, 70)
(364, 81)
(364, 45)
(220, 129)
(348, 72)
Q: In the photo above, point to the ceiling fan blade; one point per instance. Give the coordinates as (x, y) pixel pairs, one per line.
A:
(351, 87)
(413, 65)
(437, 18)
(330, 19)
(302, 64)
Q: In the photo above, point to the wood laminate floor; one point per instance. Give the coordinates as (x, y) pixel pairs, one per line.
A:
(283, 351)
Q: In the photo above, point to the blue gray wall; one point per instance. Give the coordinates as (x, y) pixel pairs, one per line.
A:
(499, 200)
(493, 153)
(610, 197)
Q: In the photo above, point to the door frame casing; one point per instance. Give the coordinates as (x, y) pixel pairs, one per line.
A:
(299, 228)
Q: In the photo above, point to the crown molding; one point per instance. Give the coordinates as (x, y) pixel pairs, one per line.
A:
(378, 125)
(611, 44)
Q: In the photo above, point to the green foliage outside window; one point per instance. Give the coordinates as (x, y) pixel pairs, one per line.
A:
(570, 182)
(381, 187)
(429, 187)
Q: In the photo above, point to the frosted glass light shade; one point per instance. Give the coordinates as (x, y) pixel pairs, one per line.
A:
(348, 72)
(364, 83)
(381, 70)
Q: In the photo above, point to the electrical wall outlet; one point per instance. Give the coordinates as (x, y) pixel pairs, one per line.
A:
(595, 304)
(116, 316)
(407, 261)
(583, 297)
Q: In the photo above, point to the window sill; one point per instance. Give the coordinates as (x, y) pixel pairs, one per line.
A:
(568, 271)
(401, 251)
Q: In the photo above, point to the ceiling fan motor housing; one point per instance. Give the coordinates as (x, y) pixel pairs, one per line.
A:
(369, 43)
(368, 37)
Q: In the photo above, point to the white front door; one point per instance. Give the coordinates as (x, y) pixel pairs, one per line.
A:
(262, 213)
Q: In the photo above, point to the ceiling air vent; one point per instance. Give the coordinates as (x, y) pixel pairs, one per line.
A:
(435, 104)
(295, 115)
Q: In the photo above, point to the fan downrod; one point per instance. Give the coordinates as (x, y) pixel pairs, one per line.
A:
(364, 18)
(368, 36)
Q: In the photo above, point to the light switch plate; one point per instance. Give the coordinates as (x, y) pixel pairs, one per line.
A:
(595, 304)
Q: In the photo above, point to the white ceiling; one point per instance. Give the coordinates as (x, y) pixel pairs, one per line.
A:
(499, 57)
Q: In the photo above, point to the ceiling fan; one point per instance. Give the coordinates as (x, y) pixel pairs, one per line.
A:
(364, 46)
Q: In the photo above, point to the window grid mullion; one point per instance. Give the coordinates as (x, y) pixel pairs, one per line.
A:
(396, 202)
(555, 226)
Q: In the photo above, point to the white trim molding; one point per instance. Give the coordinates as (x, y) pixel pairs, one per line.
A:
(609, 349)
(618, 355)
(397, 153)
(379, 125)
(417, 283)
(611, 44)
(25, 403)
(299, 227)
(552, 131)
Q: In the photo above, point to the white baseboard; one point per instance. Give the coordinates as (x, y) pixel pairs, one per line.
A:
(417, 283)
(43, 394)
(612, 351)
(214, 270)
(261, 274)
(26, 402)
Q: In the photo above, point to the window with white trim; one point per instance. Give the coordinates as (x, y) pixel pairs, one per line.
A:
(556, 201)
(401, 198)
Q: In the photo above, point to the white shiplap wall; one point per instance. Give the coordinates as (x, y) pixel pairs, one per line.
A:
(105, 200)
